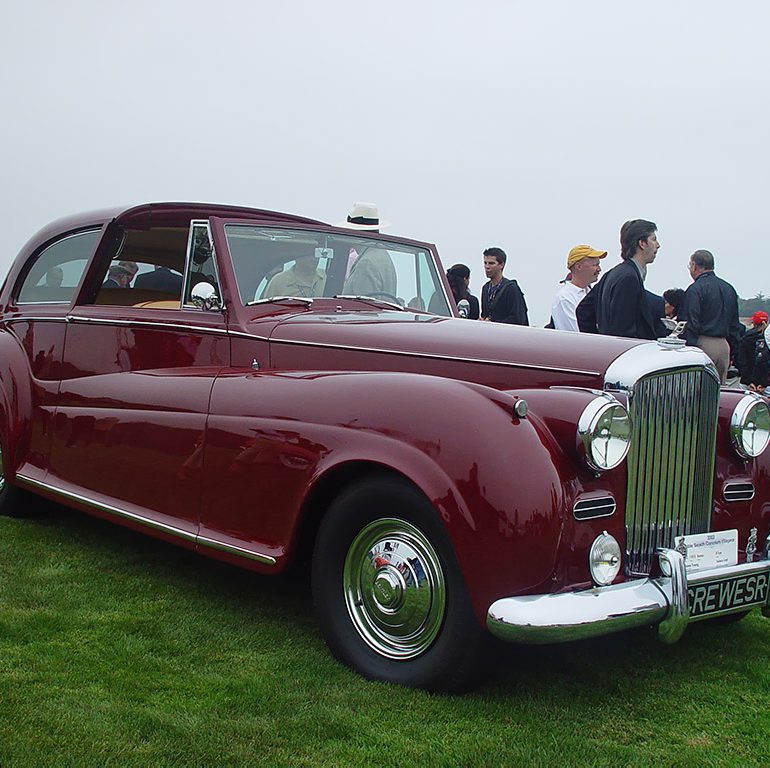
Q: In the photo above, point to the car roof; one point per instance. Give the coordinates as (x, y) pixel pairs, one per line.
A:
(168, 211)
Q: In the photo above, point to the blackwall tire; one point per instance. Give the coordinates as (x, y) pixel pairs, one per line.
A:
(13, 501)
(390, 598)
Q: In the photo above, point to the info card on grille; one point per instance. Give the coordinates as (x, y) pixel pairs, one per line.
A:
(704, 551)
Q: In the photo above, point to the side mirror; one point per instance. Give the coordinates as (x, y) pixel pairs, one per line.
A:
(464, 307)
(204, 296)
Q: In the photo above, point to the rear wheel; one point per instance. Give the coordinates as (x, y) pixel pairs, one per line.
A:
(390, 598)
(11, 497)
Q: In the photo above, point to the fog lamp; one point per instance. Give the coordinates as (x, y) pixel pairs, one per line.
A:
(604, 559)
(750, 426)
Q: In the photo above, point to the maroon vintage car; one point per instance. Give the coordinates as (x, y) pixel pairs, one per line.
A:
(248, 383)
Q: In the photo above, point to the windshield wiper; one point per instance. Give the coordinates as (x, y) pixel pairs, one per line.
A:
(371, 300)
(302, 299)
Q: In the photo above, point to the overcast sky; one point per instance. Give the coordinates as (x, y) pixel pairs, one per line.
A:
(530, 126)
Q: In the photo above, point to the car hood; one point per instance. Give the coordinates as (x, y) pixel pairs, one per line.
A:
(442, 340)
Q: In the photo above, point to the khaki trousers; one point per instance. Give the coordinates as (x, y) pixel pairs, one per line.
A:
(718, 350)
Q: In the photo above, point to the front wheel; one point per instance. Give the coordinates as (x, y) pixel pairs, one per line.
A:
(390, 598)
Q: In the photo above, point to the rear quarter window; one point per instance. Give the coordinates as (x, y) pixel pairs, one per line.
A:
(55, 274)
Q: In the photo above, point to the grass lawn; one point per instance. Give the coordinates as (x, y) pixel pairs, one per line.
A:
(116, 649)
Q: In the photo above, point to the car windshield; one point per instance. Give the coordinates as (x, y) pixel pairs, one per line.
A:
(272, 263)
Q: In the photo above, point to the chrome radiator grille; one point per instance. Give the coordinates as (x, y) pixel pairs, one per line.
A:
(671, 461)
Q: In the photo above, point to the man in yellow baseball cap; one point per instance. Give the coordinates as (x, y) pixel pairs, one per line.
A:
(584, 269)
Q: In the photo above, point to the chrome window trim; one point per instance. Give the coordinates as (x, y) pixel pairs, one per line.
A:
(380, 238)
(150, 523)
(434, 356)
(188, 258)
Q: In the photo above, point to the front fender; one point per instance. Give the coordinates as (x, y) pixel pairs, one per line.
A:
(491, 476)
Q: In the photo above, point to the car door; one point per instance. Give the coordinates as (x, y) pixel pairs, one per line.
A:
(37, 318)
(138, 368)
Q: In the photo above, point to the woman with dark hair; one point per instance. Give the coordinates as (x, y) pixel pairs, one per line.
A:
(673, 298)
(459, 277)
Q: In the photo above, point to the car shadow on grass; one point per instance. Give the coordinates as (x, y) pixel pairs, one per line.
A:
(609, 666)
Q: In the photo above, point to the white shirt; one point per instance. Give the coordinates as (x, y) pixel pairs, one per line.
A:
(563, 308)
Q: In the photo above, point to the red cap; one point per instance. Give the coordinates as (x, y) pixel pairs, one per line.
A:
(759, 317)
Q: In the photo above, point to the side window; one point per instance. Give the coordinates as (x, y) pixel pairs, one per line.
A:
(201, 261)
(143, 268)
(56, 273)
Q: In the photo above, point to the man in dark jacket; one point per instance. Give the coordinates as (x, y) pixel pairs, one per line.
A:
(619, 304)
(161, 279)
(501, 299)
(753, 355)
(710, 308)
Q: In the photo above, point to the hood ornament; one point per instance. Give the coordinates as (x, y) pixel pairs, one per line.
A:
(676, 327)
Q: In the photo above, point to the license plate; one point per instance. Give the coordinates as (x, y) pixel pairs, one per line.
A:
(717, 596)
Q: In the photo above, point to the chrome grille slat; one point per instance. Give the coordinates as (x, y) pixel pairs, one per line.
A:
(671, 461)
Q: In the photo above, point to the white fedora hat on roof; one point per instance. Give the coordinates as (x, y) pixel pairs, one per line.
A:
(363, 216)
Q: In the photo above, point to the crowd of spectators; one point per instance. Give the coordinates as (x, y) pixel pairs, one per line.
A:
(704, 315)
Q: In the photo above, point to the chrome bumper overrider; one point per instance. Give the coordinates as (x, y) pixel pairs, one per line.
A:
(575, 615)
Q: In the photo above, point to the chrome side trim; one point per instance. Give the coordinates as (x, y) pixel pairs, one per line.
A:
(150, 323)
(590, 509)
(436, 357)
(117, 511)
(149, 522)
(738, 491)
(599, 611)
(165, 326)
(232, 549)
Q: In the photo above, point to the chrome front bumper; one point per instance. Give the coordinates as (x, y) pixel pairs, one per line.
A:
(568, 616)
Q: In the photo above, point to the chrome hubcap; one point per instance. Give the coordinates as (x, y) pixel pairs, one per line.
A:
(394, 588)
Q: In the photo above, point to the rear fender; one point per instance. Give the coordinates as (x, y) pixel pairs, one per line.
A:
(15, 402)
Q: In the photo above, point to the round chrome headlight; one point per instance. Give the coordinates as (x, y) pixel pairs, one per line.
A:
(750, 426)
(604, 431)
(604, 559)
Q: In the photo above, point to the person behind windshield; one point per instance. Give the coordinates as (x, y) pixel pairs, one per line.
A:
(459, 277)
(370, 270)
(304, 279)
